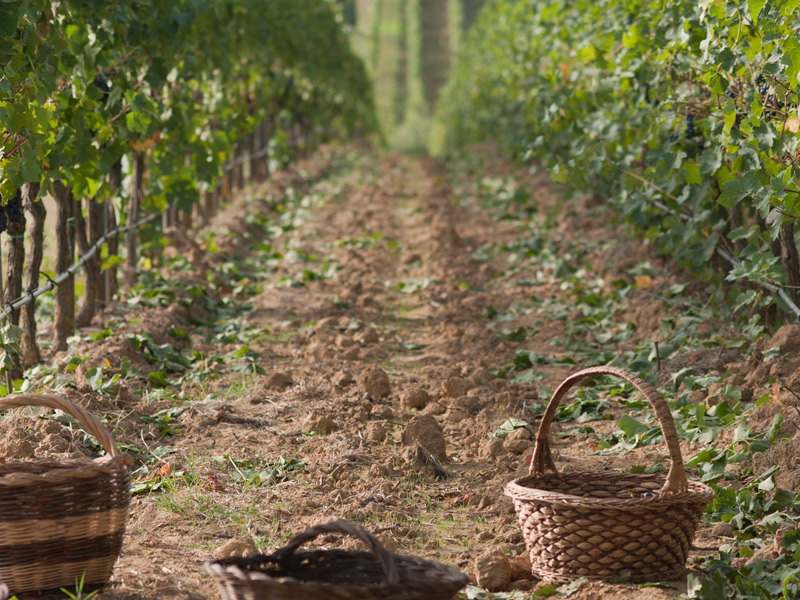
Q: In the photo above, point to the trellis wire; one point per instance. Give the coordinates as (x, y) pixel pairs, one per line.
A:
(30, 296)
(731, 259)
(10, 307)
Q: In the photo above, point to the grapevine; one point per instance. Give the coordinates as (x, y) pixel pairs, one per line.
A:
(699, 101)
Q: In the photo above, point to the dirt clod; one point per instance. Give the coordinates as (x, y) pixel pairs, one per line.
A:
(424, 431)
(343, 379)
(318, 423)
(786, 339)
(375, 382)
(416, 398)
(279, 380)
(236, 547)
(454, 387)
(493, 570)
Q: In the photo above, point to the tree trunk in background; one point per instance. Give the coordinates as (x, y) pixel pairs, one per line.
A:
(110, 275)
(469, 12)
(29, 348)
(255, 158)
(64, 317)
(790, 261)
(131, 255)
(238, 164)
(15, 234)
(87, 232)
(435, 48)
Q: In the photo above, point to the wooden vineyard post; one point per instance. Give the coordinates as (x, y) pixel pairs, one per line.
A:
(64, 317)
(131, 257)
(110, 274)
(29, 348)
(87, 233)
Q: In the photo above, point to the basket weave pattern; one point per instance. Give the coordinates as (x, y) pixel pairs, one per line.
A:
(62, 520)
(335, 574)
(602, 525)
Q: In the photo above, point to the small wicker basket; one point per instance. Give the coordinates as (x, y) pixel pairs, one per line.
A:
(604, 525)
(62, 521)
(335, 574)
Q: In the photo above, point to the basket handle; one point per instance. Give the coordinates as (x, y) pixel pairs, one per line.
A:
(542, 459)
(83, 416)
(346, 528)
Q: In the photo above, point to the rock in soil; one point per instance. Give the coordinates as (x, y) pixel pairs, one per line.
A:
(425, 431)
(375, 382)
(416, 398)
(493, 570)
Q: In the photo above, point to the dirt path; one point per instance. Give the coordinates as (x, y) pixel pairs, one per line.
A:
(365, 307)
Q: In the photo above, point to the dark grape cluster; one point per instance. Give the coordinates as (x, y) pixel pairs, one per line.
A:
(690, 132)
(3, 219)
(14, 209)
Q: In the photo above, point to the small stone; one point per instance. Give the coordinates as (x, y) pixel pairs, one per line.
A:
(279, 380)
(375, 382)
(454, 387)
(416, 398)
(425, 431)
(492, 570)
(382, 411)
(516, 446)
(343, 379)
(318, 423)
(368, 336)
(236, 547)
(722, 530)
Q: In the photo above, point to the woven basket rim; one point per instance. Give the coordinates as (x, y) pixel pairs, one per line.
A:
(521, 489)
(232, 567)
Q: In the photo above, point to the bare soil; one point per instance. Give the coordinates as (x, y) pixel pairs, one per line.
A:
(377, 360)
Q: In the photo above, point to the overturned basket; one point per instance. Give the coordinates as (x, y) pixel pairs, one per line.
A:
(335, 574)
(603, 525)
(62, 521)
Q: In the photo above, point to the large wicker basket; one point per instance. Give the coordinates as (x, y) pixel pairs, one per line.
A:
(62, 521)
(335, 574)
(604, 525)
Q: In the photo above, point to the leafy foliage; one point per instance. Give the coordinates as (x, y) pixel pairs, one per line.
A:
(684, 115)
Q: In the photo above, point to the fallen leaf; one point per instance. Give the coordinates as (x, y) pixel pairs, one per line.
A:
(212, 483)
(643, 282)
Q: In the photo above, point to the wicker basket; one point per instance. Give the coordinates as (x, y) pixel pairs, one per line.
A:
(62, 520)
(334, 574)
(604, 525)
